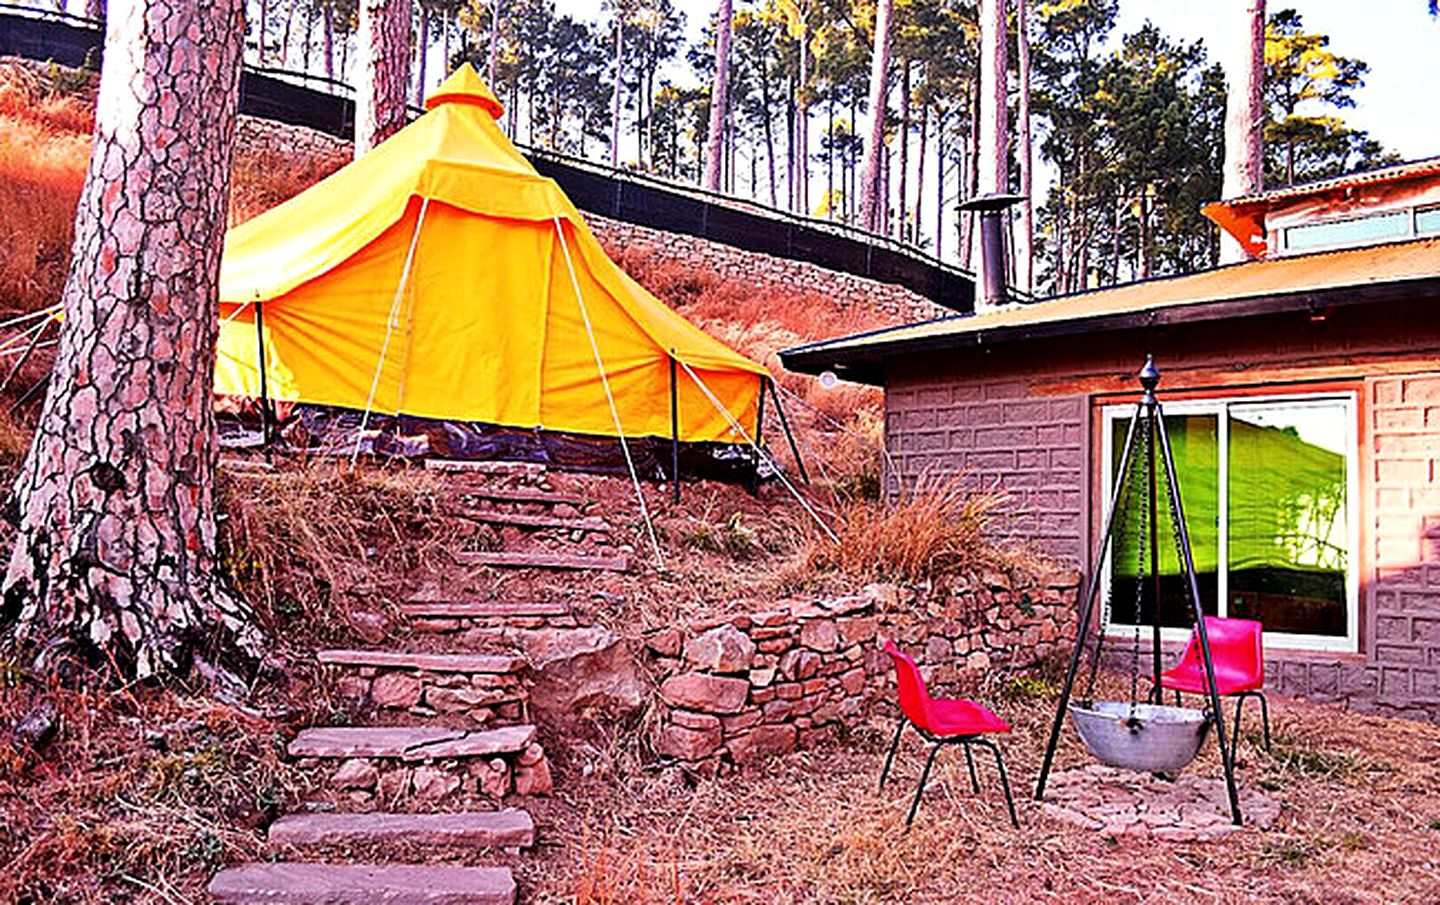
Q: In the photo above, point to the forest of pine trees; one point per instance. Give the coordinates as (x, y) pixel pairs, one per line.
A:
(1127, 128)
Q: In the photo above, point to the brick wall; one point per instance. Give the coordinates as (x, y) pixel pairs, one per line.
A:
(1024, 416)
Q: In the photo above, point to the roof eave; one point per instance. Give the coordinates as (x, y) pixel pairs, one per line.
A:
(866, 364)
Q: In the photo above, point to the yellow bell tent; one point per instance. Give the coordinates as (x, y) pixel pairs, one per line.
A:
(441, 277)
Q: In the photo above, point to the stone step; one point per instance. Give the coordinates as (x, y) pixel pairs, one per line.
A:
(410, 744)
(290, 883)
(525, 520)
(490, 664)
(517, 560)
(525, 495)
(418, 608)
(489, 466)
(510, 828)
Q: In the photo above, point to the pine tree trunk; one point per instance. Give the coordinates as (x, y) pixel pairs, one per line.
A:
(285, 35)
(260, 31)
(422, 41)
(1025, 220)
(802, 126)
(384, 45)
(1244, 171)
(493, 63)
(939, 182)
(870, 215)
(448, 26)
(719, 96)
(916, 238)
(615, 97)
(994, 134)
(329, 39)
(116, 559)
(769, 132)
(903, 205)
(95, 9)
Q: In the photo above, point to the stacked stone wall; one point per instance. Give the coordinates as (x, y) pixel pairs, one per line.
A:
(793, 676)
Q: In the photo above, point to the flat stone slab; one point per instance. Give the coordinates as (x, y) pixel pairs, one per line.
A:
(496, 664)
(510, 828)
(525, 495)
(504, 559)
(484, 467)
(420, 608)
(1118, 803)
(411, 744)
(289, 883)
(525, 520)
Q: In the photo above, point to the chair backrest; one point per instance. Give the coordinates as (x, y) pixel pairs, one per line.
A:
(1236, 646)
(914, 697)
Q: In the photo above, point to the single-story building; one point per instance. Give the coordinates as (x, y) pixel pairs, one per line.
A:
(1302, 389)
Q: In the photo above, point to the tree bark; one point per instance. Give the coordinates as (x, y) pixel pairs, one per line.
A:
(422, 42)
(1244, 171)
(615, 98)
(329, 40)
(870, 201)
(916, 238)
(903, 205)
(384, 45)
(994, 135)
(493, 64)
(1025, 219)
(939, 182)
(116, 558)
(95, 9)
(802, 125)
(719, 96)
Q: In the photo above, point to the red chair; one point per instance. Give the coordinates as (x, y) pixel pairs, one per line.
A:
(1238, 653)
(942, 721)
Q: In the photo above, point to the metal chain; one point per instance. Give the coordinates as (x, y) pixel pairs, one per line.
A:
(1125, 513)
(1143, 537)
(1197, 612)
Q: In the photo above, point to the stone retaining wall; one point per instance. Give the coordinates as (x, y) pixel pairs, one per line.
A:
(764, 271)
(769, 682)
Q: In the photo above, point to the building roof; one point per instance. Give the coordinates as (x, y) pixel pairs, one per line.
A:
(1244, 217)
(1294, 283)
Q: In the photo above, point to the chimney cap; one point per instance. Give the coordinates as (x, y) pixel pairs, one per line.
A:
(991, 201)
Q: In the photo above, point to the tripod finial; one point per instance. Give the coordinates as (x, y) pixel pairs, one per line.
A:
(1149, 375)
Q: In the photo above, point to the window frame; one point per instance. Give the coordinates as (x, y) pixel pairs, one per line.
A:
(1219, 405)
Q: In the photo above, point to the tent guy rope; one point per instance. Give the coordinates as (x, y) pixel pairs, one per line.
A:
(390, 326)
(780, 472)
(609, 397)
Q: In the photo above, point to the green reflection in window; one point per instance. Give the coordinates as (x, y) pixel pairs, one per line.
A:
(1288, 519)
(1195, 443)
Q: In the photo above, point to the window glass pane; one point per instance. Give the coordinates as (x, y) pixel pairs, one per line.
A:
(1288, 517)
(1349, 232)
(1194, 440)
(1427, 222)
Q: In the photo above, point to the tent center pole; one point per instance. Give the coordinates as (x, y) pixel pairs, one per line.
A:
(674, 431)
(264, 386)
(785, 423)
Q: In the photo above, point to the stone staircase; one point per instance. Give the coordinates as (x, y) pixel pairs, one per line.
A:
(444, 735)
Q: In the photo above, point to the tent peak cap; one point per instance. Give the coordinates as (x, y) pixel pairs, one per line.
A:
(464, 86)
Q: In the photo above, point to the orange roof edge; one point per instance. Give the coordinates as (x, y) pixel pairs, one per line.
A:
(1241, 222)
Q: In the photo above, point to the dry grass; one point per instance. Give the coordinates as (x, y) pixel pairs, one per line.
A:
(937, 528)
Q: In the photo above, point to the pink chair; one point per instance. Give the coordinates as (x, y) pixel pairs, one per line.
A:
(942, 721)
(1237, 650)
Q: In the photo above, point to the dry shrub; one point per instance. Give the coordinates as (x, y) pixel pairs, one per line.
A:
(304, 541)
(936, 529)
(263, 178)
(624, 874)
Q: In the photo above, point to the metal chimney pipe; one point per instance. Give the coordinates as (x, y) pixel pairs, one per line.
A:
(994, 262)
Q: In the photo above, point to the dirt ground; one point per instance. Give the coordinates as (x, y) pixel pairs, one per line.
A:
(1360, 822)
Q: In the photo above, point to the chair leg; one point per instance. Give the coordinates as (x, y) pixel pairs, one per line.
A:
(1235, 733)
(1004, 778)
(970, 762)
(920, 789)
(1264, 716)
(894, 746)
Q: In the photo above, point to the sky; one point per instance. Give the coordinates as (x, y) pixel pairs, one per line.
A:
(1398, 104)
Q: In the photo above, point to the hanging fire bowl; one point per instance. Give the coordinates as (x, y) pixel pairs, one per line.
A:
(1156, 739)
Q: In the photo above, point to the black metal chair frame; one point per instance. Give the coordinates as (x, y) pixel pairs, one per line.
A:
(937, 742)
(1240, 697)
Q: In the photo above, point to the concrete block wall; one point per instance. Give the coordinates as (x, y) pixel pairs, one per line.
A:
(993, 434)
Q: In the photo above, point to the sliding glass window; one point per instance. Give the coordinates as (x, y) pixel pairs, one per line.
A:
(1268, 486)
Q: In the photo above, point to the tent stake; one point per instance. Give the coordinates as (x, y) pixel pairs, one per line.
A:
(785, 423)
(264, 387)
(674, 431)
